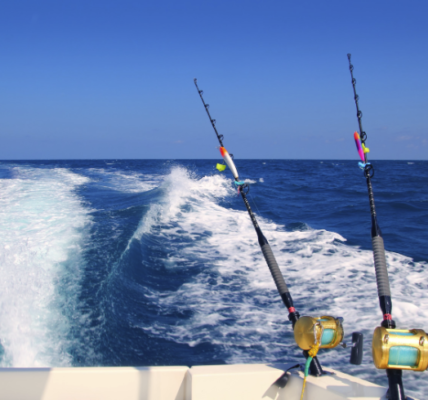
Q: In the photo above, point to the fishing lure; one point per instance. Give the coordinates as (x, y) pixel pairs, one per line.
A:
(359, 147)
(362, 150)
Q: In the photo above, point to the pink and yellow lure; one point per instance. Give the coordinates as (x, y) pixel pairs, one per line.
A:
(359, 147)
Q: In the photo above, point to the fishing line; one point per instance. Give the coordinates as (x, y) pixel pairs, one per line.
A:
(254, 203)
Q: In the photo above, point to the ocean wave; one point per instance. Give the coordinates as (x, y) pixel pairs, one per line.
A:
(232, 301)
(43, 225)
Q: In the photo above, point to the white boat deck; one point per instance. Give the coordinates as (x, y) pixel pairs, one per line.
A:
(219, 382)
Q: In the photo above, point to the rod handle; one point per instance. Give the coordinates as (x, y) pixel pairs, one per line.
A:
(274, 269)
(382, 279)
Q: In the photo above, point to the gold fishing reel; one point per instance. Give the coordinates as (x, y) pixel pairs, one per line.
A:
(400, 349)
(308, 331)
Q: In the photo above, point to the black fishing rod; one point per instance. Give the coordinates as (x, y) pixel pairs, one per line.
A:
(382, 279)
(293, 316)
(386, 338)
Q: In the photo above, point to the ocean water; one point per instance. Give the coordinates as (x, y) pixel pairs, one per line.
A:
(156, 262)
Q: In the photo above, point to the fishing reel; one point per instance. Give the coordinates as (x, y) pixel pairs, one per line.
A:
(400, 349)
(308, 330)
(326, 332)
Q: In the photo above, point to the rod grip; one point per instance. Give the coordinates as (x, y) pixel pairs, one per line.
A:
(274, 269)
(382, 279)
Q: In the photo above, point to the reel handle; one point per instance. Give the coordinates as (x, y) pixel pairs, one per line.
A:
(357, 348)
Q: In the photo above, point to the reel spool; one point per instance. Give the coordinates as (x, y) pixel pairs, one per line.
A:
(400, 349)
(308, 329)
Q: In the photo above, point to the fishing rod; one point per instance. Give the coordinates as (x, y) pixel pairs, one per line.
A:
(393, 349)
(310, 333)
(293, 315)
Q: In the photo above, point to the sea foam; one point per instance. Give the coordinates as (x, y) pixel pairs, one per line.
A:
(43, 223)
(233, 301)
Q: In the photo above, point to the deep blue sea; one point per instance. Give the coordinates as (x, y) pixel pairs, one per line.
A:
(156, 262)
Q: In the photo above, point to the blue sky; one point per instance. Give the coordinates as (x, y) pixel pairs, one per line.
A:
(104, 79)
